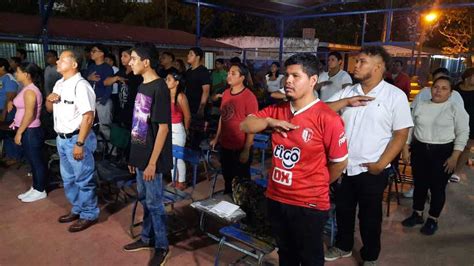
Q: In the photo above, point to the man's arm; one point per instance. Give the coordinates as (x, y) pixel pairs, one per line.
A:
(10, 97)
(85, 127)
(355, 101)
(336, 169)
(393, 148)
(253, 124)
(204, 97)
(150, 170)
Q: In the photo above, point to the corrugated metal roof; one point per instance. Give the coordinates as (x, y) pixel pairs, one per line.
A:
(15, 26)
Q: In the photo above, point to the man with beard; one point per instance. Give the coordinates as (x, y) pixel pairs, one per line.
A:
(376, 133)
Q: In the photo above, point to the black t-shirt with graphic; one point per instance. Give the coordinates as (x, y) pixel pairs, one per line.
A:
(152, 107)
(127, 93)
(195, 79)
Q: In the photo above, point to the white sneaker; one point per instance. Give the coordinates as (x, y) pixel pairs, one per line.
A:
(34, 196)
(23, 195)
(409, 193)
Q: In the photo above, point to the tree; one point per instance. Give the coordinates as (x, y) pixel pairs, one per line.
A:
(456, 26)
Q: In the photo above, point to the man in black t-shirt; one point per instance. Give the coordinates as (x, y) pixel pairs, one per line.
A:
(128, 86)
(150, 152)
(198, 85)
(166, 64)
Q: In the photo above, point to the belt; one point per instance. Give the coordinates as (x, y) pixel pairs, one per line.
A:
(68, 135)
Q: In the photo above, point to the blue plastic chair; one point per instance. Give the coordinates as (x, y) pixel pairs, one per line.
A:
(171, 194)
(261, 142)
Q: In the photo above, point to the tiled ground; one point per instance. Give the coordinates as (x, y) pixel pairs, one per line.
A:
(30, 235)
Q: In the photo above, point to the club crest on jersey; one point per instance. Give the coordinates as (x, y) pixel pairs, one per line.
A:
(281, 176)
(342, 139)
(288, 157)
(307, 134)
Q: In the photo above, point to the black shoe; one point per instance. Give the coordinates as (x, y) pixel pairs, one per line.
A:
(413, 220)
(430, 227)
(70, 217)
(81, 225)
(137, 246)
(159, 258)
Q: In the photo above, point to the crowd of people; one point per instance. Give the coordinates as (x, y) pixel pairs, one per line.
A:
(326, 128)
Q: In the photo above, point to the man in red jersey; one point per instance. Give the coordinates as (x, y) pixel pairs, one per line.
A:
(309, 152)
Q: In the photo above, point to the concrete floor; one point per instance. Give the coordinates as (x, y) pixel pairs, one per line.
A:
(31, 235)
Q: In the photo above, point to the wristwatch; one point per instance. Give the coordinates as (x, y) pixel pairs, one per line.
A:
(79, 144)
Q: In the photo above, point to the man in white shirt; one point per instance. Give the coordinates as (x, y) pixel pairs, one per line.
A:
(73, 103)
(335, 79)
(376, 132)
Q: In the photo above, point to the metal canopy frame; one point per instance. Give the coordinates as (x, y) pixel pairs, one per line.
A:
(280, 19)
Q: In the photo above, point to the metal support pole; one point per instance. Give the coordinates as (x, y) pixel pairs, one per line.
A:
(388, 25)
(363, 29)
(45, 14)
(198, 23)
(282, 31)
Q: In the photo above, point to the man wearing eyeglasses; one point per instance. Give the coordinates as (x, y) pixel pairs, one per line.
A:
(96, 74)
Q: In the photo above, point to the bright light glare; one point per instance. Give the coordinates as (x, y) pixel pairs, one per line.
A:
(430, 17)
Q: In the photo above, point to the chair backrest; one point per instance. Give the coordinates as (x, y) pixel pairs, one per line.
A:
(261, 141)
(186, 154)
(119, 137)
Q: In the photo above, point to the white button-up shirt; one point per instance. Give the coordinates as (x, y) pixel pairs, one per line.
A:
(77, 98)
(370, 128)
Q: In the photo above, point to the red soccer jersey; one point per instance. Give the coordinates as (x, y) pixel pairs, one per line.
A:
(299, 174)
(234, 109)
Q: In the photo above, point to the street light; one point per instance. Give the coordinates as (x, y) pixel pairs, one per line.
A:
(431, 17)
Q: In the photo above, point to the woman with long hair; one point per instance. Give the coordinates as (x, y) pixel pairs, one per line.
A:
(436, 141)
(180, 121)
(238, 102)
(27, 124)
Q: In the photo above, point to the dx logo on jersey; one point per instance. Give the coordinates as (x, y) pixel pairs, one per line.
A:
(281, 176)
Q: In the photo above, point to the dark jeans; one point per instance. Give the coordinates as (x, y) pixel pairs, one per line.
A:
(366, 190)
(298, 232)
(232, 167)
(32, 143)
(428, 173)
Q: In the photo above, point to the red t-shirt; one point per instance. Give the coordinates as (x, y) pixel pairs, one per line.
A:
(234, 109)
(299, 174)
(402, 81)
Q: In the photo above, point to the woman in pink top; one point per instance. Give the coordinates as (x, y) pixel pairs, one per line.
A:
(180, 120)
(28, 127)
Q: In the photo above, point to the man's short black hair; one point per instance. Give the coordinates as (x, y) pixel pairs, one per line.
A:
(440, 70)
(170, 54)
(308, 61)
(198, 52)
(377, 51)
(101, 47)
(53, 52)
(336, 54)
(235, 60)
(147, 51)
(22, 52)
(220, 60)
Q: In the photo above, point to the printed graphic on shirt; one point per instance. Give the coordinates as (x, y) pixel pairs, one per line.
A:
(288, 157)
(141, 117)
(281, 176)
(307, 134)
(342, 139)
(227, 112)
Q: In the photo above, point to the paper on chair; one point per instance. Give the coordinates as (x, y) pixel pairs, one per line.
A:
(224, 209)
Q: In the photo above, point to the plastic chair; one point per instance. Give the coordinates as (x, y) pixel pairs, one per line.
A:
(261, 142)
(393, 180)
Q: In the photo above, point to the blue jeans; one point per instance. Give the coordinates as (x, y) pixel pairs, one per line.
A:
(150, 194)
(78, 176)
(32, 142)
